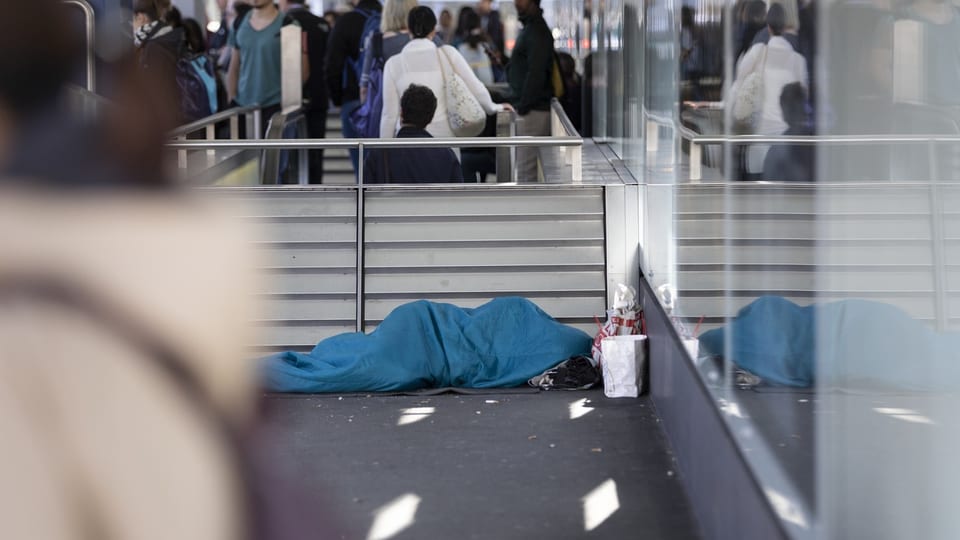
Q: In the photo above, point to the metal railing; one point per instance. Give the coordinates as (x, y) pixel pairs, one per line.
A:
(208, 126)
(90, 23)
(182, 146)
(270, 166)
(561, 126)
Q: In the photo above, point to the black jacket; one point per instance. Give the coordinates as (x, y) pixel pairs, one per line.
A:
(318, 32)
(344, 43)
(531, 66)
(412, 165)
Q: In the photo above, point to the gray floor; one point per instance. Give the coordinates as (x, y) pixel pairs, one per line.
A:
(486, 466)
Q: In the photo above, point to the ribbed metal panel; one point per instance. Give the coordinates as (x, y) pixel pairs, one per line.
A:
(308, 255)
(811, 244)
(463, 246)
(468, 246)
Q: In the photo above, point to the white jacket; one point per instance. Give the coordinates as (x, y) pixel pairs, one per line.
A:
(419, 63)
(783, 66)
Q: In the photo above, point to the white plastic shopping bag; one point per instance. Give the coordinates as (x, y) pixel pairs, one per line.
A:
(622, 320)
(624, 358)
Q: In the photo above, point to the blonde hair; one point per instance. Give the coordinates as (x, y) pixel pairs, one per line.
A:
(394, 17)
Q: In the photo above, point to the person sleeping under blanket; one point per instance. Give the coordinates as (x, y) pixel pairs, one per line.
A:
(500, 344)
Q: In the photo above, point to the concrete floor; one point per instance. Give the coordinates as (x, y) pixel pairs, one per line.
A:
(501, 465)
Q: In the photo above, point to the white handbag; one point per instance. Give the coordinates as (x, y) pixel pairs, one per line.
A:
(748, 99)
(465, 115)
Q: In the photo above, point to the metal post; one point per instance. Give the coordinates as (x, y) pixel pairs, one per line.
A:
(90, 21)
(576, 163)
(182, 155)
(936, 224)
(304, 161)
(505, 128)
(211, 136)
(696, 163)
(360, 240)
(234, 127)
(257, 124)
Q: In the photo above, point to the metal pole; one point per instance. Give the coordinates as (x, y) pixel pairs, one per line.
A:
(304, 162)
(936, 224)
(361, 323)
(89, 19)
(182, 155)
(235, 127)
(211, 154)
(257, 125)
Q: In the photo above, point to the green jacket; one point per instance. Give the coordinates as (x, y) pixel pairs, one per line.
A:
(531, 65)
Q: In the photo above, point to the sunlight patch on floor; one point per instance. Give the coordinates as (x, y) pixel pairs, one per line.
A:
(416, 414)
(392, 518)
(600, 504)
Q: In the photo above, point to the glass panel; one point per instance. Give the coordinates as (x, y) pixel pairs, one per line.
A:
(886, 356)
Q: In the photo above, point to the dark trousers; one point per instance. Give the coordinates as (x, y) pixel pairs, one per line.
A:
(316, 129)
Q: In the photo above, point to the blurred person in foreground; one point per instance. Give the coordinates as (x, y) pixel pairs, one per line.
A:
(413, 165)
(123, 316)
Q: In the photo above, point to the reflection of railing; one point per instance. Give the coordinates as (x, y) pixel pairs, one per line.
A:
(697, 141)
(90, 23)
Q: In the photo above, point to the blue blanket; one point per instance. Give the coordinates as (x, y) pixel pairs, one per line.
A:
(502, 343)
(849, 342)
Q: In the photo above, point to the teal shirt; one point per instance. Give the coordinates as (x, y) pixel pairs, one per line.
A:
(259, 62)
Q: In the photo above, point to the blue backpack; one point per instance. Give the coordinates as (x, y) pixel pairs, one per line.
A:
(370, 26)
(367, 118)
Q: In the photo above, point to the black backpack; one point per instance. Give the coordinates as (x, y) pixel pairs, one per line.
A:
(197, 85)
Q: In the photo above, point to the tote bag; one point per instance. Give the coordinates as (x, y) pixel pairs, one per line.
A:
(464, 114)
(748, 98)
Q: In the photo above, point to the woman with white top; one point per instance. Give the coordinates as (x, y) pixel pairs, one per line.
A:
(419, 63)
(780, 65)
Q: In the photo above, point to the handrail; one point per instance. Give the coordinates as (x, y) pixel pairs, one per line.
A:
(276, 128)
(452, 142)
(90, 20)
(563, 118)
(197, 125)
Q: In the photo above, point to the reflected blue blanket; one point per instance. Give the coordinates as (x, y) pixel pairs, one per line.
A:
(850, 342)
(502, 343)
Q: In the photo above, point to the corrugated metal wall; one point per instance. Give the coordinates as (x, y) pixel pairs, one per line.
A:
(468, 246)
(463, 246)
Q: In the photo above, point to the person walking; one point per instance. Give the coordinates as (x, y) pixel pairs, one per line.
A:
(254, 76)
(315, 89)
(343, 53)
(529, 76)
(420, 63)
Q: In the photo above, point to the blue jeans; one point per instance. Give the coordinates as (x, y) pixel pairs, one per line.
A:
(349, 130)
